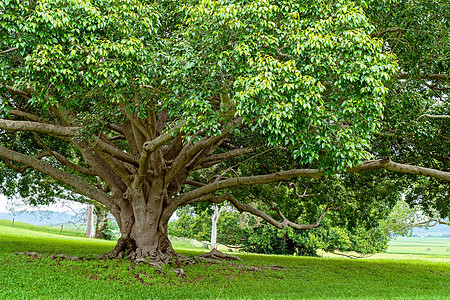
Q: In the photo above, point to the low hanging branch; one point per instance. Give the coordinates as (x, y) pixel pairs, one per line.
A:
(385, 163)
(431, 222)
(76, 182)
(250, 209)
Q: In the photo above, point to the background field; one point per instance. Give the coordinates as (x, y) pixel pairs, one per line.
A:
(397, 274)
(434, 246)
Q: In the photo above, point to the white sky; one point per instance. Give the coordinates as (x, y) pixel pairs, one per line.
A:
(3, 204)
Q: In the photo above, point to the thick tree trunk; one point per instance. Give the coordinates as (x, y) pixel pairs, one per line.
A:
(143, 233)
(152, 244)
(155, 247)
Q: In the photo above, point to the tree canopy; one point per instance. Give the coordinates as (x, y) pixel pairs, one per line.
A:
(125, 101)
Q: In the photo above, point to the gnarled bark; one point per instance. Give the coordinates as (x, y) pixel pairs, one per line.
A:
(143, 234)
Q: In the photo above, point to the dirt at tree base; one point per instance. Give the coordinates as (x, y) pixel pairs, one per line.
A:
(158, 261)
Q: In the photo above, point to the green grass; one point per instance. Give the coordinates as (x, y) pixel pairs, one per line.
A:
(412, 248)
(23, 277)
(71, 226)
(40, 228)
(433, 246)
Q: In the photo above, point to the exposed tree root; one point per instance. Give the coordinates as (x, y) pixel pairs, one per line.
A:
(215, 256)
(180, 272)
(161, 259)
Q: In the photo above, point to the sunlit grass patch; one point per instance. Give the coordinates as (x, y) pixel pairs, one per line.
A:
(41, 228)
(18, 239)
(417, 245)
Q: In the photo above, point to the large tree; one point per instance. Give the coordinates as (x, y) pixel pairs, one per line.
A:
(122, 101)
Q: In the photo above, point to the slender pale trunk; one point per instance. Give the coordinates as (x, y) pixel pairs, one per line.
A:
(90, 221)
(214, 218)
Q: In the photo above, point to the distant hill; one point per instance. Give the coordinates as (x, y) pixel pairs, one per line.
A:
(41, 217)
(438, 230)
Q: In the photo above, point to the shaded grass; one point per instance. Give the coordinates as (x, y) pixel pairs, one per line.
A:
(302, 278)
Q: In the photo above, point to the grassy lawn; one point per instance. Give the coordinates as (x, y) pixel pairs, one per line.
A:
(23, 277)
(40, 228)
(428, 246)
(416, 248)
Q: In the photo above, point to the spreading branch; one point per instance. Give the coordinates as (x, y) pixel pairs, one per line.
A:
(64, 161)
(217, 158)
(147, 150)
(189, 154)
(9, 50)
(74, 181)
(136, 122)
(414, 170)
(53, 130)
(114, 151)
(385, 163)
(439, 77)
(250, 209)
(195, 183)
(25, 115)
(15, 91)
(96, 162)
(115, 128)
(431, 222)
(445, 117)
(25, 167)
